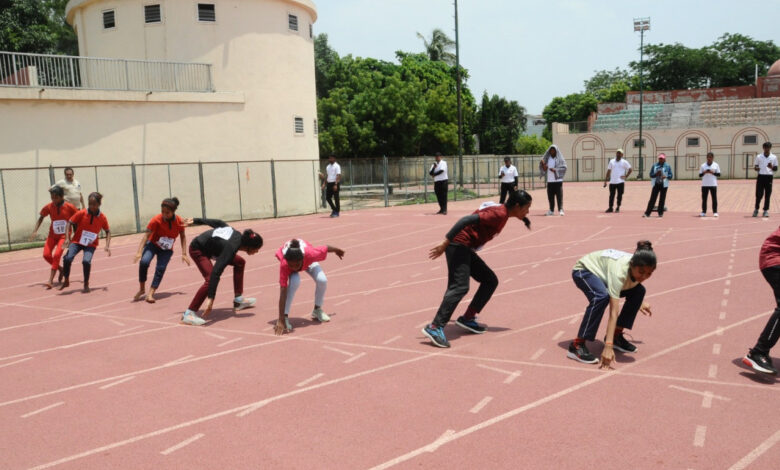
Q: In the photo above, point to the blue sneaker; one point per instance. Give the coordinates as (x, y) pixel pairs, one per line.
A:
(436, 335)
(470, 325)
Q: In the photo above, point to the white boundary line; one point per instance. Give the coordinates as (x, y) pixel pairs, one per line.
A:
(45, 408)
(181, 444)
(756, 453)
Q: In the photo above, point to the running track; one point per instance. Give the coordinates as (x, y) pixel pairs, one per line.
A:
(97, 381)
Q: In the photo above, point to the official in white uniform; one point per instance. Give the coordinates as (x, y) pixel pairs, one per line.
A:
(332, 183)
(440, 182)
(766, 166)
(508, 176)
(618, 170)
(709, 173)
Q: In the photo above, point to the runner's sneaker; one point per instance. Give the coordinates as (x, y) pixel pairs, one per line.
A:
(436, 335)
(766, 214)
(702, 215)
(245, 303)
(609, 211)
(618, 209)
(580, 353)
(319, 315)
(287, 323)
(470, 325)
(549, 213)
(755, 213)
(190, 318)
(621, 344)
(561, 212)
(759, 362)
(715, 214)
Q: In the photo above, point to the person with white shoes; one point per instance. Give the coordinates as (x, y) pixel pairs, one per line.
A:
(766, 166)
(660, 174)
(509, 178)
(709, 174)
(554, 165)
(295, 256)
(618, 170)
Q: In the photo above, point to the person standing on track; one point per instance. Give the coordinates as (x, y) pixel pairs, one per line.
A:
(554, 165)
(709, 174)
(604, 277)
(508, 176)
(769, 263)
(332, 183)
(72, 189)
(766, 166)
(86, 225)
(618, 170)
(60, 212)
(161, 233)
(460, 245)
(223, 243)
(440, 182)
(660, 174)
(295, 256)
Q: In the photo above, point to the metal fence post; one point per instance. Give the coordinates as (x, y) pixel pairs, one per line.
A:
(384, 167)
(5, 210)
(454, 183)
(51, 175)
(170, 189)
(476, 178)
(273, 186)
(127, 77)
(202, 190)
(240, 202)
(425, 179)
(135, 198)
(351, 190)
(97, 185)
(474, 171)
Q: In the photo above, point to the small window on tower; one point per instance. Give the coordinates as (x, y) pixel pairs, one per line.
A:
(109, 19)
(206, 12)
(152, 14)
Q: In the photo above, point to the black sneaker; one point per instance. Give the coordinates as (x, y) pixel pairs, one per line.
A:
(470, 325)
(436, 335)
(580, 353)
(621, 344)
(759, 362)
(618, 209)
(608, 211)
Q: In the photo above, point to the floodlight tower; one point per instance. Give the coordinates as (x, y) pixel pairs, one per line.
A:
(641, 25)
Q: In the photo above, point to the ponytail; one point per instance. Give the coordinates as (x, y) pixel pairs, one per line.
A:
(644, 255)
(171, 203)
(251, 239)
(96, 196)
(294, 251)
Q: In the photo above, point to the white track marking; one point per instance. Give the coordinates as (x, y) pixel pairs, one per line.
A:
(45, 408)
(537, 354)
(708, 396)
(309, 380)
(181, 359)
(574, 319)
(112, 384)
(713, 371)
(342, 302)
(229, 342)
(480, 405)
(722, 316)
(724, 302)
(699, 436)
(415, 275)
(508, 280)
(716, 348)
(443, 439)
(15, 362)
(558, 335)
(745, 461)
(726, 291)
(214, 335)
(511, 375)
(181, 444)
(393, 339)
(130, 329)
(354, 358)
(394, 283)
(62, 315)
(117, 323)
(341, 351)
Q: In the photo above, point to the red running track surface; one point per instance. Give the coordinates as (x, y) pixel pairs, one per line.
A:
(98, 381)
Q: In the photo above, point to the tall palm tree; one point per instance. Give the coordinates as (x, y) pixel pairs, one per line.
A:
(440, 47)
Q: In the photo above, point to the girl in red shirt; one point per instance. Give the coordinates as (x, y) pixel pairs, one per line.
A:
(85, 227)
(296, 256)
(161, 233)
(60, 212)
(769, 264)
(461, 244)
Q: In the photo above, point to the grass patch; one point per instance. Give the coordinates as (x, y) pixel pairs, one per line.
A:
(20, 246)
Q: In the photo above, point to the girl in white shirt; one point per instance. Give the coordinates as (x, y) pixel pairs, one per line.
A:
(709, 173)
(508, 175)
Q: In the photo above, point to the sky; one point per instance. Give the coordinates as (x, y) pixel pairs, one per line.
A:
(533, 51)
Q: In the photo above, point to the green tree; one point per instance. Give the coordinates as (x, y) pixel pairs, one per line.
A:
(440, 47)
(531, 145)
(676, 67)
(611, 86)
(570, 108)
(737, 57)
(36, 26)
(325, 59)
(500, 123)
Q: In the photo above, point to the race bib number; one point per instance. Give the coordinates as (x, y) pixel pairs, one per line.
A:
(87, 238)
(223, 233)
(59, 226)
(165, 243)
(614, 254)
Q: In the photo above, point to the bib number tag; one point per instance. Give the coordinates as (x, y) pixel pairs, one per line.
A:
(223, 233)
(165, 243)
(614, 254)
(87, 238)
(58, 226)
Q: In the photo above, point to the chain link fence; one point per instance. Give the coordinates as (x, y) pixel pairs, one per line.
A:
(245, 190)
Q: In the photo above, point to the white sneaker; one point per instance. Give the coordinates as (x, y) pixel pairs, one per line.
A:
(561, 212)
(318, 314)
(715, 214)
(287, 323)
(246, 303)
(190, 318)
(702, 215)
(549, 213)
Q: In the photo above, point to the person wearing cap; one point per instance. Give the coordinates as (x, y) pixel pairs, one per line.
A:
(617, 171)
(766, 166)
(709, 173)
(60, 211)
(508, 175)
(440, 182)
(72, 189)
(660, 174)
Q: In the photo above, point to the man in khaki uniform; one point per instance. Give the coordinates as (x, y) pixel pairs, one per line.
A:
(72, 189)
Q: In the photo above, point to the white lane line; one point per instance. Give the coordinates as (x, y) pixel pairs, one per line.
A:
(394, 283)
(346, 353)
(309, 380)
(722, 316)
(716, 349)
(728, 281)
(756, 453)
(61, 315)
(511, 375)
(176, 361)
(713, 372)
(131, 329)
(707, 395)
(214, 335)
(537, 354)
(534, 266)
(415, 275)
(558, 335)
(719, 331)
(181, 444)
(394, 338)
(354, 358)
(423, 324)
(726, 291)
(117, 323)
(508, 280)
(126, 379)
(434, 268)
(480, 405)
(15, 362)
(229, 342)
(342, 302)
(574, 319)
(46, 408)
(699, 436)
(443, 439)
(724, 302)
